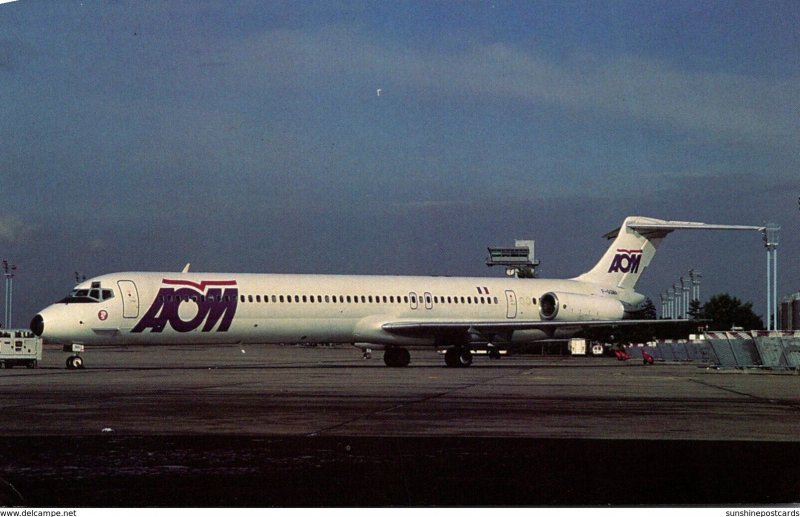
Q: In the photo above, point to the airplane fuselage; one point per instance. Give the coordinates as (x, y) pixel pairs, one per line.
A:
(174, 308)
(390, 312)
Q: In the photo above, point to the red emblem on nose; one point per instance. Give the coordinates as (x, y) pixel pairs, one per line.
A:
(102, 315)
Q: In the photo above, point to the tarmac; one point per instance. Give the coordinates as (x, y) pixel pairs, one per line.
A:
(319, 426)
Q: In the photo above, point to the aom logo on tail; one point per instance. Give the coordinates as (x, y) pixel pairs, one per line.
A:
(626, 261)
(213, 305)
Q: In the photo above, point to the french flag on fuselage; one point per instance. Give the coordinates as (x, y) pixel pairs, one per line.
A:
(482, 290)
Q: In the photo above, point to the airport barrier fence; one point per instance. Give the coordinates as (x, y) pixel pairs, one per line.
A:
(736, 349)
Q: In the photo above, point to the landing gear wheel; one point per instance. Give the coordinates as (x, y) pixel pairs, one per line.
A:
(74, 362)
(494, 354)
(396, 357)
(457, 357)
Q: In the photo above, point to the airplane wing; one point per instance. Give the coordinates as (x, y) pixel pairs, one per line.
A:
(432, 328)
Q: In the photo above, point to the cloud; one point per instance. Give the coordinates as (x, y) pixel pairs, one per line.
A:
(713, 105)
(11, 228)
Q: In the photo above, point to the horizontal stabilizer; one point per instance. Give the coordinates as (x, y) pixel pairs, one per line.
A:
(635, 244)
(661, 229)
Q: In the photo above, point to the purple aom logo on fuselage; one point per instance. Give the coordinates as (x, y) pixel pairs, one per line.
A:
(214, 305)
(626, 261)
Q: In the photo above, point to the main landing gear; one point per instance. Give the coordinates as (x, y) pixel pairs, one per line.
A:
(458, 357)
(396, 357)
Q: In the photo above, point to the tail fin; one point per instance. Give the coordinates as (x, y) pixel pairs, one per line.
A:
(634, 246)
(629, 254)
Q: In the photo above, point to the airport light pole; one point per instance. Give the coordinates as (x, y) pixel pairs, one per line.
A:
(694, 277)
(670, 303)
(8, 273)
(685, 299)
(678, 296)
(771, 231)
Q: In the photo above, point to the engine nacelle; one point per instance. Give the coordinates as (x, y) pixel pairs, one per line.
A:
(578, 307)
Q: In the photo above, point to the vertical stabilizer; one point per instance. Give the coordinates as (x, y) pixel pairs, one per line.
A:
(629, 254)
(634, 246)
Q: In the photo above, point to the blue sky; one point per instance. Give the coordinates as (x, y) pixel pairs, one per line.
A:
(249, 136)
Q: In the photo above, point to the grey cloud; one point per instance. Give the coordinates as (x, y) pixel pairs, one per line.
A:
(713, 105)
(11, 228)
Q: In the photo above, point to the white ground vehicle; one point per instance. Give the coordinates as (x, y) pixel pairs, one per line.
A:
(20, 348)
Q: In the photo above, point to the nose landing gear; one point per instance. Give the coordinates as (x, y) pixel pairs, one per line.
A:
(74, 361)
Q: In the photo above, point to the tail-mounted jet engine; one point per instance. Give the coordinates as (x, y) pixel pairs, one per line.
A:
(576, 307)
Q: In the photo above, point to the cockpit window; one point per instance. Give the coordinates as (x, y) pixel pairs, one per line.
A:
(94, 295)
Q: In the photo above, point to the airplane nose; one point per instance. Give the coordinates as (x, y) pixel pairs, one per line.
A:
(37, 325)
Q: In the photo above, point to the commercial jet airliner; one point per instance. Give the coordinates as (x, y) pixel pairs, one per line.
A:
(387, 312)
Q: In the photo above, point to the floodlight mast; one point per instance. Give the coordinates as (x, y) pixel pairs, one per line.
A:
(770, 235)
(670, 303)
(695, 276)
(8, 273)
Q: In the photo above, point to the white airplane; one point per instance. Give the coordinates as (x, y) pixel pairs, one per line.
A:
(385, 312)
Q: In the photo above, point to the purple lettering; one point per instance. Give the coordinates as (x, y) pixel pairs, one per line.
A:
(216, 307)
(625, 263)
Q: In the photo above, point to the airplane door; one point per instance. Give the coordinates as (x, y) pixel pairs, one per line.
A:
(428, 301)
(130, 299)
(412, 297)
(511, 300)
